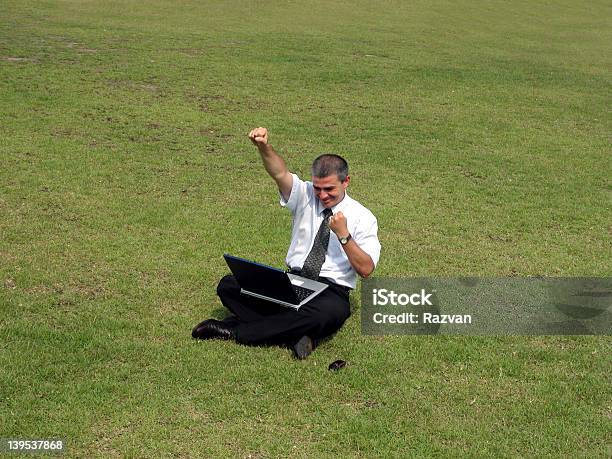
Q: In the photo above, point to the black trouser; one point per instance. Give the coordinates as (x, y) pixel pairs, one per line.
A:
(264, 322)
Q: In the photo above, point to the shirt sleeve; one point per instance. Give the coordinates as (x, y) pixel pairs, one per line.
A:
(298, 195)
(366, 237)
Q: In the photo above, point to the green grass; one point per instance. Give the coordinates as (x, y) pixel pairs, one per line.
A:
(478, 133)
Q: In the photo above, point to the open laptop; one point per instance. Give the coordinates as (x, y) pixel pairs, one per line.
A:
(273, 284)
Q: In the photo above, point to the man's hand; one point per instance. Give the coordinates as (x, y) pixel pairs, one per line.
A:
(337, 223)
(259, 137)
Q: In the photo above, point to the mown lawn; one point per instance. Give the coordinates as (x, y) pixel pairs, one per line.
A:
(478, 132)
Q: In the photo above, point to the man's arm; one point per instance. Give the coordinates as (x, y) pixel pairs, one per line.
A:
(361, 262)
(274, 164)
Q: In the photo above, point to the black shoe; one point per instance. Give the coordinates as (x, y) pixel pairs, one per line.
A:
(212, 329)
(303, 348)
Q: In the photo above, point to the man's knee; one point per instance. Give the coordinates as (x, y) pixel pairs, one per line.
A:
(329, 320)
(227, 285)
(335, 318)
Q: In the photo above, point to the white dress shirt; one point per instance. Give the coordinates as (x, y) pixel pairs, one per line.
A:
(307, 213)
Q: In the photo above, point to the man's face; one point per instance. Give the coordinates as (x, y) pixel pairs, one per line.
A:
(329, 190)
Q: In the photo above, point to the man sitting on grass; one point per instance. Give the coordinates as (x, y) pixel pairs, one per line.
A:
(335, 259)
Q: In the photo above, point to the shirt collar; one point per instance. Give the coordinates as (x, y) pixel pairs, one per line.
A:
(338, 207)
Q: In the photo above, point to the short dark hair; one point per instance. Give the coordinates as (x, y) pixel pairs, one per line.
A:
(326, 165)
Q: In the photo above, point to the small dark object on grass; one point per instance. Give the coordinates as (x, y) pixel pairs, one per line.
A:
(335, 366)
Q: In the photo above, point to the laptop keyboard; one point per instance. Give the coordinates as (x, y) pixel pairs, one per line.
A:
(301, 292)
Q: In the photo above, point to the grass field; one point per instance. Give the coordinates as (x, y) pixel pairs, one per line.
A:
(478, 132)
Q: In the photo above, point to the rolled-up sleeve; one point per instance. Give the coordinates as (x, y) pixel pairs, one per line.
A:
(298, 193)
(366, 237)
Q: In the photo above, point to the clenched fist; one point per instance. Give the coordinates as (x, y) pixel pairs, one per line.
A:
(259, 136)
(337, 223)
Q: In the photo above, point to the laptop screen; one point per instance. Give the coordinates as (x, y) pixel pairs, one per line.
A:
(261, 279)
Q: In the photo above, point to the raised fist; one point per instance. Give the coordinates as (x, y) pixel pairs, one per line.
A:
(259, 136)
(337, 223)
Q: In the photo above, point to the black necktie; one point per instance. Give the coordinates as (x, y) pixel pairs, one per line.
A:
(316, 257)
